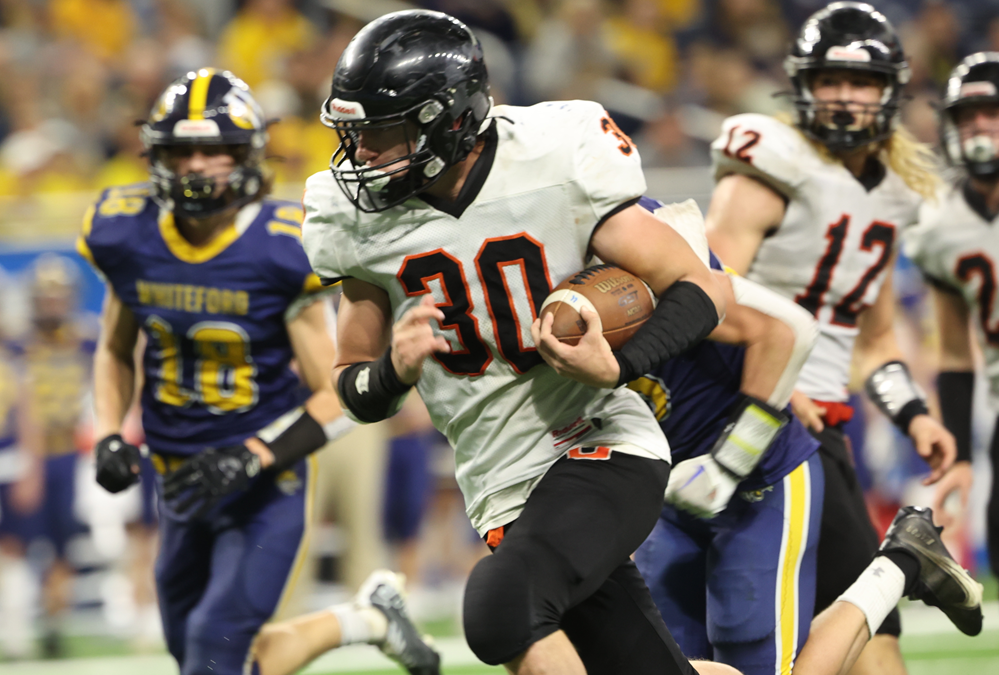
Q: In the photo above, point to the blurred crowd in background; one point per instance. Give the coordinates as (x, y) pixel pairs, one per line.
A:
(75, 75)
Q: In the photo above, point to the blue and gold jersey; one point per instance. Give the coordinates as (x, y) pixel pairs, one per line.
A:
(9, 381)
(57, 371)
(216, 364)
(693, 395)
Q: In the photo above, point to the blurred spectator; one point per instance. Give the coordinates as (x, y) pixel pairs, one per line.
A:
(180, 40)
(569, 52)
(934, 40)
(103, 27)
(489, 15)
(755, 27)
(640, 43)
(258, 41)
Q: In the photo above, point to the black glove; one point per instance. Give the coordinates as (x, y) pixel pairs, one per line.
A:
(209, 476)
(117, 463)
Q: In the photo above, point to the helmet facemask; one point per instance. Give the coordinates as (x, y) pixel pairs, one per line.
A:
(977, 152)
(837, 124)
(435, 140)
(195, 195)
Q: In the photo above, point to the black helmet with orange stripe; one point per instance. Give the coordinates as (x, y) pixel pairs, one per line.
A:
(205, 109)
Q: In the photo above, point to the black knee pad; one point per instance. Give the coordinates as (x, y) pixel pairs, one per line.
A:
(497, 608)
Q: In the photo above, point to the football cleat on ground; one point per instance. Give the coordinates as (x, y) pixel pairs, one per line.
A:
(942, 582)
(403, 642)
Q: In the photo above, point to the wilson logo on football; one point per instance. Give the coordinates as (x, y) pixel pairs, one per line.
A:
(608, 284)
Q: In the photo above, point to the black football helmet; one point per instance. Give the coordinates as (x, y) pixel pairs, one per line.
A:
(418, 72)
(974, 81)
(207, 107)
(850, 35)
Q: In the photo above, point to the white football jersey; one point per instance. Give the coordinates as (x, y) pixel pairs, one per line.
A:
(558, 170)
(830, 252)
(958, 248)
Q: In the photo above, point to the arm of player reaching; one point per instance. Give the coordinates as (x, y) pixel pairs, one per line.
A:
(114, 389)
(379, 362)
(207, 477)
(306, 429)
(778, 336)
(890, 385)
(691, 303)
(741, 212)
(956, 386)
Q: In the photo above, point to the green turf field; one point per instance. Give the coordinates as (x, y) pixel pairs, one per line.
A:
(930, 644)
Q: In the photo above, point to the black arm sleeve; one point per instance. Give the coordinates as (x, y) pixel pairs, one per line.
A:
(956, 389)
(371, 389)
(301, 439)
(684, 316)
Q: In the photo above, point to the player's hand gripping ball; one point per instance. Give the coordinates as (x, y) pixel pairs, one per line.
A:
(621, 299)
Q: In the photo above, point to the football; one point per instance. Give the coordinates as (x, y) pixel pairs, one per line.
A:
(621, 299)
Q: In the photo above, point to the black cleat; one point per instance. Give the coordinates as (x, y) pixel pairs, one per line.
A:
(942, 582)
(403, 642)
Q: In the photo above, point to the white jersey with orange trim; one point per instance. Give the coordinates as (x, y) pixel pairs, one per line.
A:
(547, 177)
(831, 250)
(956, 246)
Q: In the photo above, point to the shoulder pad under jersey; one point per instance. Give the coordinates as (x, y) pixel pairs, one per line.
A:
(764, 148)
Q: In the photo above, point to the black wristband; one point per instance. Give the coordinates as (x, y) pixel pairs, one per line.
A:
(371, 389)
(904, 417)
(301, 439)
(956, 390)
(684, 316)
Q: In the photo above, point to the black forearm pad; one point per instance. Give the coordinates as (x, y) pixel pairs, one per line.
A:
(956, 391)
(684, 316)
(371, 389)
(301, 439)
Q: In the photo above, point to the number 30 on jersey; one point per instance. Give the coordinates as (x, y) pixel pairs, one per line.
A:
(518, 254)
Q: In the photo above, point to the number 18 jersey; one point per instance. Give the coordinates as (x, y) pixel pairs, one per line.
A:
(830, 252)
(216, 365)
(548, 175)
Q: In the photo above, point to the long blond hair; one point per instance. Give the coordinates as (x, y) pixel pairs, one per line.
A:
(914, 162)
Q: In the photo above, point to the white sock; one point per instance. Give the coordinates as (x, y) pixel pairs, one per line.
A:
(876, 591)
(360, 625)
(18, 589)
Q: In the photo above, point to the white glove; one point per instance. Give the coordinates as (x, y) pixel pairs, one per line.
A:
(700, 486)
